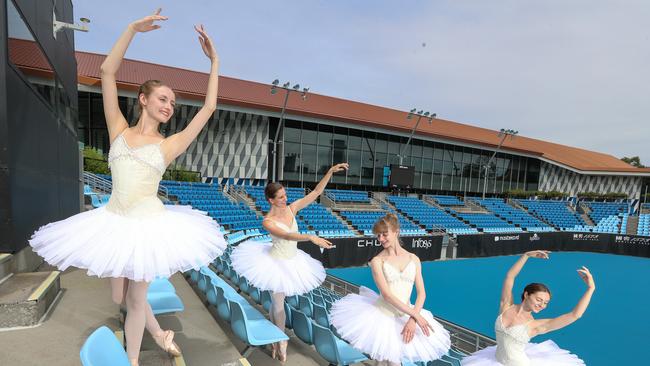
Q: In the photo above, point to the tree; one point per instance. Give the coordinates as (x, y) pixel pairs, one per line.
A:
(634, 161)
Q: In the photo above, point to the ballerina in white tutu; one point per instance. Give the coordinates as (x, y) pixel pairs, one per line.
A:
(135, 238)
(387, 327)
(515, 325)
(279, 266)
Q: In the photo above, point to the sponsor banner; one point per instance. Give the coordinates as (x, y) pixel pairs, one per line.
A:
(484, 245)
(351, 252)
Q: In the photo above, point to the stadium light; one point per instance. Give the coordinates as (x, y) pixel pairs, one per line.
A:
(503, 133)
(275, 172)
(420, 114)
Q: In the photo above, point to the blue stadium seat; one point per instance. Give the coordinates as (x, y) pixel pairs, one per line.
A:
(254, 333)
(333, 349)
(101, 348)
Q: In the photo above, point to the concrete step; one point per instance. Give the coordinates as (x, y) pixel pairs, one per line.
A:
(26, 297)
(632, 225)
(7, 266)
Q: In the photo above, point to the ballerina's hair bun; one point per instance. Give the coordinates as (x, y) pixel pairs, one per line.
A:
(271, 189)
(390, 220)
(532, 288)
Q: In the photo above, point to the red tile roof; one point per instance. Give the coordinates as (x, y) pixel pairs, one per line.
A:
(243, 93)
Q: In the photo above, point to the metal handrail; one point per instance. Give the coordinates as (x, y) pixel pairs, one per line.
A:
(105, 186)
(462, 338)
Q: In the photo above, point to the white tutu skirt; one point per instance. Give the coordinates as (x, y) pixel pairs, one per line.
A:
(377, 333)
(140, 249)
(546, 353)
(291, 276)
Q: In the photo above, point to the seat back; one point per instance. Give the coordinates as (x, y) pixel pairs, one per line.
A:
(101, 348)
(223, 306)
(325, 344)
(238, 321)
(304, 305)
(302, 326)
(320, 316)
(265, 298)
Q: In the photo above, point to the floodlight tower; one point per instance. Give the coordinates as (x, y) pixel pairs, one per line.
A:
(420, 114)
(503, 133)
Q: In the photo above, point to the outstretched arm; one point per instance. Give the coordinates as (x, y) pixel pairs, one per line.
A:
(320, 187)
(508, 282)
(179, 142)
(115, 121)
(279, 232)
(547, 325)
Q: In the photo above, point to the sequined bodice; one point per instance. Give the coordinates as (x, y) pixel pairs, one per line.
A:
(283, 248)
(136, 173)
(511, 343)
(400, 284)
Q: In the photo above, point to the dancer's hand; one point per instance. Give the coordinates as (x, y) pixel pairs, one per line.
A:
(206, 43)
(427, 329)
(587, 277)
(544, 254)
(409, 330)
(320, 242)
(339, 167)
(146, 24)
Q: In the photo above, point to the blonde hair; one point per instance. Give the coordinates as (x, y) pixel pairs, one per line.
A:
(389, 221)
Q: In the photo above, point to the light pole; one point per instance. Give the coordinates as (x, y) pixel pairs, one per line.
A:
(504, 133)
(412, 113)
(274, 89)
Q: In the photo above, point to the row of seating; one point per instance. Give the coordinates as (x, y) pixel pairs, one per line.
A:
(302, 312)
(513, 215)
(644, 225)
(432, 218)
(447, 200)
(339, 195)
(556, 213)
(601, 210)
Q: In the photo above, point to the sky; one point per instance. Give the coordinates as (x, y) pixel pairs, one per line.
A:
(571, 72)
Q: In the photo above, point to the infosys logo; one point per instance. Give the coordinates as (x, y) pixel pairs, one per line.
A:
(421, 243)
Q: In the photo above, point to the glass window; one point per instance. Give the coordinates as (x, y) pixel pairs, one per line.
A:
(291, 161)
(309, 134)
(382, 143)
(20, 42)
(427, 165)
(308, 163)
(292, 131)
(325, 135)
(367, 168)
(324, 159)
(426, 180)
(427, 150)
(416, 149)
(354, 159)
(354, 139)
(393, 147)
(438, 153)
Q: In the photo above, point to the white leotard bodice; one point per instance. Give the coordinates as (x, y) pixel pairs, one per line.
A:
(511, 343)
(283, 248)
(400, 285)
(136, 173)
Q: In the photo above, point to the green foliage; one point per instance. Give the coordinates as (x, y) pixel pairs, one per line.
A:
(518, 193)
(181, 175)
(634, 161)
(602, 196)
(94, 161)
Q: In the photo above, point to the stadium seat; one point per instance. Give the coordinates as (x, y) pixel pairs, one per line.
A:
(254, 333)
(302, 326)
(333, 349)
(102, 348)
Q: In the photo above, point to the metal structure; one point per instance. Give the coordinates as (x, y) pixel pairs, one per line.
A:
(420, 114)
(503, 133)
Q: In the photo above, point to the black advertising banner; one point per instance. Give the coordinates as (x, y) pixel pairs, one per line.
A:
(350, 252)
(486, 245)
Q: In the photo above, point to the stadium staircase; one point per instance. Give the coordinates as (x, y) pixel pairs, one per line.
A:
(25, 298)
(632, 224)
(584, 211)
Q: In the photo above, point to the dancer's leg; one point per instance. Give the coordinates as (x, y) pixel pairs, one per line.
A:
(151, 323)
(136, 307)
(119, 287)
(279, 317)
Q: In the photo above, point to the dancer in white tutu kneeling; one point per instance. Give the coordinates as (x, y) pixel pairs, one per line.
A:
(387, 327)
(279, 266)
(135, 238)
(515, 325)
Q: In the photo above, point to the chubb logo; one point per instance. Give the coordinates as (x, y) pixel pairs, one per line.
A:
(362, 243)
(534, 237)
(421, 243)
